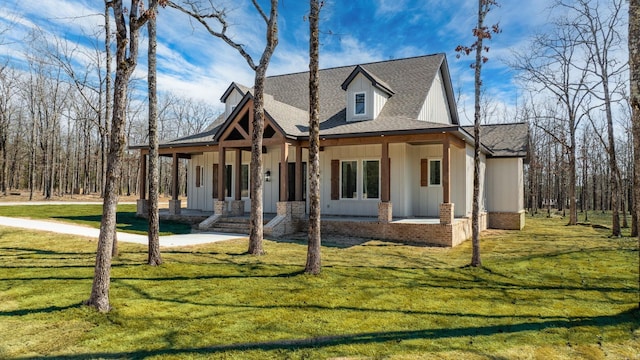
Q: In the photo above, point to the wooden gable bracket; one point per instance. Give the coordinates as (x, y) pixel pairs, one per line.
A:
(235, 123)
(237, 134)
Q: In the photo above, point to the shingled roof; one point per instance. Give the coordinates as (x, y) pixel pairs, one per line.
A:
(409, 79)
(504, 140)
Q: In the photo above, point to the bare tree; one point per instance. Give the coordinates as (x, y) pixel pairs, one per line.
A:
(126, 61)
(153, 257)
(634, 70)
(203, 15)
(313, 265)
(7, 91)
(480, 32)
(598, 27)
(106, 129)
(552, 63)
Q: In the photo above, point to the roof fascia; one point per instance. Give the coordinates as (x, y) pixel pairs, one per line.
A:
(472, 140)
(229, 90)
(232, 116)
(448, 87)
(360, 70)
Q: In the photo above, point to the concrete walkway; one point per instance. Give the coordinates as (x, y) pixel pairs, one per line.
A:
(79, 230)
(53, 202)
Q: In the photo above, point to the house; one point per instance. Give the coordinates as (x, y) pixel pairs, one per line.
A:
(395, 162)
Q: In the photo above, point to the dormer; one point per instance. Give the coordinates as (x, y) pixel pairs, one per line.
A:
(366, 94)
(232, 96)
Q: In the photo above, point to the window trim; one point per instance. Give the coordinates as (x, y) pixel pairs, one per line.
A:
(357, 190)
(430, 160)
(379, 179)
(364, 102)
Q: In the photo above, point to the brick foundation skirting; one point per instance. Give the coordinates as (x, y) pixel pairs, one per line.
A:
(507, 220)
(445, 235)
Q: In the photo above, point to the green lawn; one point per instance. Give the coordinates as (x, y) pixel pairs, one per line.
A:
(550, 291)
(90, 215)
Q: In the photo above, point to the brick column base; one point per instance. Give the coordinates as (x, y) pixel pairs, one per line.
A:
(175, 207)
(446, 213)
(290, 217)
(220, 207)
(385, 212)
(237, 208)
(142, 207)
(291, 209)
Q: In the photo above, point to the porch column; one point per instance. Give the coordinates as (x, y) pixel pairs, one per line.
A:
(142, 183)
(446, 171)
(174, 203)
(237, 194)
(142, 206)
(385, 165)
(222, 152)
(385, 208)
(284, 176)
(237, 205)
(299, 189)
(447, 207)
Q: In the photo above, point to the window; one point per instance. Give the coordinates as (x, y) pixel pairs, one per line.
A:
(435, 172)
(198, 176)
(349, 180)
(227, 180)
(214, 183)
(244, 180)
(360, 108)
(371, 179)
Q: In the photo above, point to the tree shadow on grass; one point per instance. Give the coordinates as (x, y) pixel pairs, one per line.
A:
(46, 310)
(127, 221)
(630, 318)
(328, 240)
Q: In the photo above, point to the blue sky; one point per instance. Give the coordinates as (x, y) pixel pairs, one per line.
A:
(193, 63)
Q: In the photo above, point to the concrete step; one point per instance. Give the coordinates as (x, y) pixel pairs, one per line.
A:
(235, 225)
(238, 220)
(232, 225)
(223, 229)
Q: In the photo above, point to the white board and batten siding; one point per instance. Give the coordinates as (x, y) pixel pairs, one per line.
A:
(469, 180)
(358, 206)
(505, 185)
(201, 198)
(232, 100)
(436, 105)
(374, 99)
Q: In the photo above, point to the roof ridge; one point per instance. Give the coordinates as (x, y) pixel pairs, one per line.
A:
(361, 64)
(500, 124)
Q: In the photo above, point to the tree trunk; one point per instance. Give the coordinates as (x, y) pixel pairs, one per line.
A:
(99, 297)
(313, 265)
(104, 138)
(256, 227)
(634, 69)
(573, 208)
(256, 230)
(153, 257)
(475, 214)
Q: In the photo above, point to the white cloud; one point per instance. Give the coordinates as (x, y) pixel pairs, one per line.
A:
(390, 7)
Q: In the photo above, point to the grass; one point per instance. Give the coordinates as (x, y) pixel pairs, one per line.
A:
(550, 291)
(90, 215)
